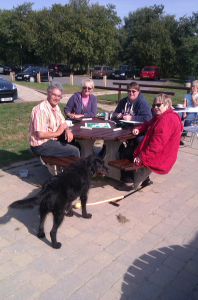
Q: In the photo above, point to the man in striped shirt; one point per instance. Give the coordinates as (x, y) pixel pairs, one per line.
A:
(47, 124)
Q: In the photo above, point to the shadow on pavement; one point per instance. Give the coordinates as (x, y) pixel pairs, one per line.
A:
(168, 273)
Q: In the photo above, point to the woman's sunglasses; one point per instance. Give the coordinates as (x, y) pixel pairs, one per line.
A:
(157, 104)
(87, 88)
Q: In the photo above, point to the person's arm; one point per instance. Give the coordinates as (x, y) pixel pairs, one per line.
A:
(185, 106)
(142, 110)
(50, 134)
(158, 140)
(118, 111)
(194, 98)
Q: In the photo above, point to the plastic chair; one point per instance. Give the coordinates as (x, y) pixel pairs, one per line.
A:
(194, 132)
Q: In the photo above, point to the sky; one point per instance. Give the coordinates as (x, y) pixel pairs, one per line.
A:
(179, 8)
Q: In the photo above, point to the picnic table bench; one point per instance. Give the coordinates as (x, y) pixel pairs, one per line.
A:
(124, 164)
(55, 163)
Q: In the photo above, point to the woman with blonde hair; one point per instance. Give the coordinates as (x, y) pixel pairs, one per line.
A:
(82, 104)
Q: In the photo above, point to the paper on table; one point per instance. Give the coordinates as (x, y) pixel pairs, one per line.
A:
(97, 125)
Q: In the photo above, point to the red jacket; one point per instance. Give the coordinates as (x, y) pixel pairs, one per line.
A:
(159, 147)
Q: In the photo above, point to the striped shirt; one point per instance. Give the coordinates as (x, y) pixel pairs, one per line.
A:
(44, 118)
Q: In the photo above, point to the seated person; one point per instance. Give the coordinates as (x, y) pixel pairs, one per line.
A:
(159, 147)
(82, 104)
(134, 107)
(190, 101)
(47, 124)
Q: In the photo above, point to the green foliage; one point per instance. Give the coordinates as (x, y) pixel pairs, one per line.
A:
(83, 34)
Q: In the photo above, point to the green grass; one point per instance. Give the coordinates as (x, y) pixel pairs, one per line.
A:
(68, 89)
(14, 133)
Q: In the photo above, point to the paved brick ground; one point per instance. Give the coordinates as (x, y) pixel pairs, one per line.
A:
(152, 256)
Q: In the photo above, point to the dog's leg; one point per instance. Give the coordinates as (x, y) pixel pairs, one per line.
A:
(69, 211)
(43, 213)
(58, 218)
(83, 199)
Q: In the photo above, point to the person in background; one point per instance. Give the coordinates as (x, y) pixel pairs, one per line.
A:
(158, 149)
(82, 104)
(47, 124)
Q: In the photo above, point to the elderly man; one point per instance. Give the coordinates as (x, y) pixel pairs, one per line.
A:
(47, 124)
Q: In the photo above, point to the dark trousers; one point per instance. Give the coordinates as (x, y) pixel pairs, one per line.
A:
(127, 152)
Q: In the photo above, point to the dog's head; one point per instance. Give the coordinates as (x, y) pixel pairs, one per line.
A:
(97, 166)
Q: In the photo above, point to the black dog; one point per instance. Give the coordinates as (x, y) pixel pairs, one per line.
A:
(59, 191)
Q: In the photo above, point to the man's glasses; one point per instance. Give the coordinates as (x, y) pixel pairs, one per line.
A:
(87, 88)
(58, 96)
(132, 91)
(157, 104)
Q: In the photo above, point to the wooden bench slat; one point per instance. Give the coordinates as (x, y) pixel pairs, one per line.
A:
(58, 161)
(124, 164)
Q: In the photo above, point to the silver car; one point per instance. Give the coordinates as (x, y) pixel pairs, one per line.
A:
(1, 69)
(100, 71)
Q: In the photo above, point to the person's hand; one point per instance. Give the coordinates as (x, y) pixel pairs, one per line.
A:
(137, 160)
(127, 117)
(119, 116)
(68, 135)
(135, 131)
(61, 128)
(194, 90)
(75, 116)
(184, 115)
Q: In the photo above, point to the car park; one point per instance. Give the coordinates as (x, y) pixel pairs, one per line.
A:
(150, 72)
(124, 72)
(1, 69)
(8, 91)
(61, 70)
(11, 68)
(100, 71)
(30, 74)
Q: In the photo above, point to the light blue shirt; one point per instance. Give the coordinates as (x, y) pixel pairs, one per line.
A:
(188, 98)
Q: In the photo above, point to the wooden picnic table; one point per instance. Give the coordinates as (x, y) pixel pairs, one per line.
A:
(112, 139)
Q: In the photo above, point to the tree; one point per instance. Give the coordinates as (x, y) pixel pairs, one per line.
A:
(148, 40)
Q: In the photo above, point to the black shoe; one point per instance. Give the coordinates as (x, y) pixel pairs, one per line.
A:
(124, 187)
(181, 143)
(146, 182)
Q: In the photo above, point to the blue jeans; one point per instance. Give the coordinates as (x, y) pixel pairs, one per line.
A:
(56, 149)
(189, 118)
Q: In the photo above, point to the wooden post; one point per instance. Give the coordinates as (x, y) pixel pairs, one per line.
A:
(105, 80)
(11, 76)
(72, 79)
(39, 77)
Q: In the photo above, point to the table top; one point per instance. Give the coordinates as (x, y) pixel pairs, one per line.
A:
(102, 133)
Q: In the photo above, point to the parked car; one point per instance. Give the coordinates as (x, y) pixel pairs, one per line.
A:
(25, 66)
(8, 91)
(30, 74)
(100, 71)
(61, 70)
(124, 72)
(1, 69)
(11, 68)
(150, 72)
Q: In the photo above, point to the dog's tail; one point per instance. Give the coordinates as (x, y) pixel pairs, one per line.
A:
(30, 202)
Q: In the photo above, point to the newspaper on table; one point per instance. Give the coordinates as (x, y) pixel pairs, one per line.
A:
(97, 125)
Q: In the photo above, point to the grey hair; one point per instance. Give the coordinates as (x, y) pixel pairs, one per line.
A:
(55, 85)
(87, 80)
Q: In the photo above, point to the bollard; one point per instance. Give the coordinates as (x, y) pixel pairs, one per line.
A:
(11, 76)
(72, 79)
(105, 80)
(39, 77)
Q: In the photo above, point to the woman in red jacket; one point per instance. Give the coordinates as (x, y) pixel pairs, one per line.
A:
(159, 147)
